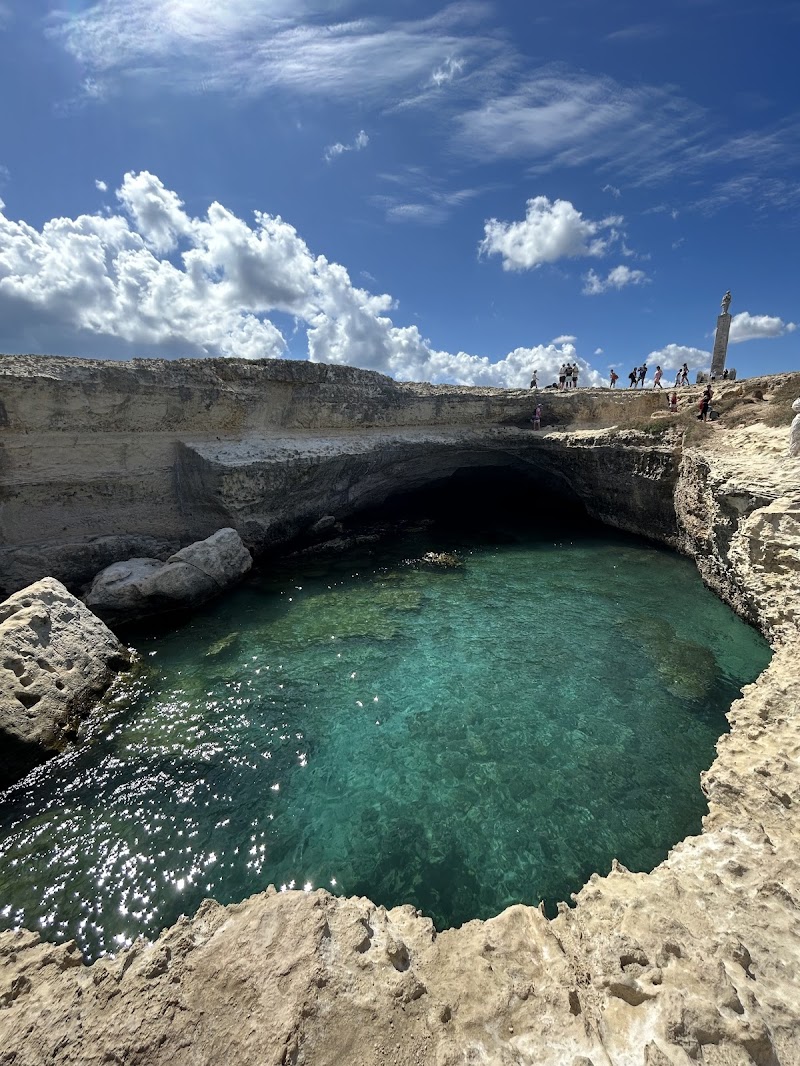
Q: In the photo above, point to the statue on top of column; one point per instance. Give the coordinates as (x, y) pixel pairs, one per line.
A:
(726, 302)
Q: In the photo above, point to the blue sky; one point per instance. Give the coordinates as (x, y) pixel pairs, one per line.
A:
(455, 192)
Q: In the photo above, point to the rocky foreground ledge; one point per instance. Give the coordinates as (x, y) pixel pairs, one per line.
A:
(695, 962)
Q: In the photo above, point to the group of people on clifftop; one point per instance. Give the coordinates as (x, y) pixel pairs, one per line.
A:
(568, 377)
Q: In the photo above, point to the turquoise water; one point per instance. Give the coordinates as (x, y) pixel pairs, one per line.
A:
(460, 740)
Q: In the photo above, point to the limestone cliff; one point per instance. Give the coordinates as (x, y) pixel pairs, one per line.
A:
(695, 962)
(101, 462)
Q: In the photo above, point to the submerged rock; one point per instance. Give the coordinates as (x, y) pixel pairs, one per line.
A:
(441, 561)
(138, 588)
(56, 659)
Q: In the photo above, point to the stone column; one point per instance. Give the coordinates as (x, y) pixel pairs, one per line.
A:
(720, 345)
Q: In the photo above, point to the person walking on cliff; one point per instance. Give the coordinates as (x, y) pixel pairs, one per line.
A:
(534, 382)
(632, 378)
(614, 379)
(705, 404)
(642, 374)
(657, 378)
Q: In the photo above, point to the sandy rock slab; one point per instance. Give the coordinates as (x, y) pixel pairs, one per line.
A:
(139, 588)
(56, 659)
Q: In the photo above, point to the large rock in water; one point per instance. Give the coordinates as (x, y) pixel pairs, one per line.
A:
(56, 659)
(137, 588)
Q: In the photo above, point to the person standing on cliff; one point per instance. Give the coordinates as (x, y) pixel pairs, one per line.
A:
(632, 378)
(614, 379)
(794, 432)
(657, 378)
(574, 375)
(537, 417)
(562, 377)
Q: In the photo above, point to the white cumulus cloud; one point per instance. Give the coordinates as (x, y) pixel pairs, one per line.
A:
(673, 356)
(101, 186)
(551, 230)
(154, 277)
(747, 327)
(618, 277)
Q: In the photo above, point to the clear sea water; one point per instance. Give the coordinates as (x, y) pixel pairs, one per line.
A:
(456, 739)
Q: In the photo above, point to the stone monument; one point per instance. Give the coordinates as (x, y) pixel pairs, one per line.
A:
(721, 338)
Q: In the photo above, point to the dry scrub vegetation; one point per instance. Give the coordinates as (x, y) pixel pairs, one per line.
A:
(742, 403)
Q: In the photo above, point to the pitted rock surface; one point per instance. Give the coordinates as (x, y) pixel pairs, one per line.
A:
(56, 659)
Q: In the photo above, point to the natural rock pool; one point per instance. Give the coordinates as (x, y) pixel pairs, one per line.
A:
(457, 739)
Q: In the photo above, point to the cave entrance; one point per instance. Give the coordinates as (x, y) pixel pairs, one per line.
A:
(484, 498)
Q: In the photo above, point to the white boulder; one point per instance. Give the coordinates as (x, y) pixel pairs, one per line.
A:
(138, 588)
(56, 659)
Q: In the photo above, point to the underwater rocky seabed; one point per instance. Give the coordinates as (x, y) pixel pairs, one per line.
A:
(460, 739)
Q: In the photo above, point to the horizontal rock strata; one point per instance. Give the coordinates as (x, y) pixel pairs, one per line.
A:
(102, 462)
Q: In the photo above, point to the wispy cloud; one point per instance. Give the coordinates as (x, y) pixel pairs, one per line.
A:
(759, 192)
(360, 142)
(558, 117)
(449, 70)
(101, 186)
(639, 31)
(490, 103)
(250, 46)
(421, 197)
(613, 191)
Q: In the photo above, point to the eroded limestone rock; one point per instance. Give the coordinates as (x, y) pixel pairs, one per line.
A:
(56, 659)
(141, 587)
